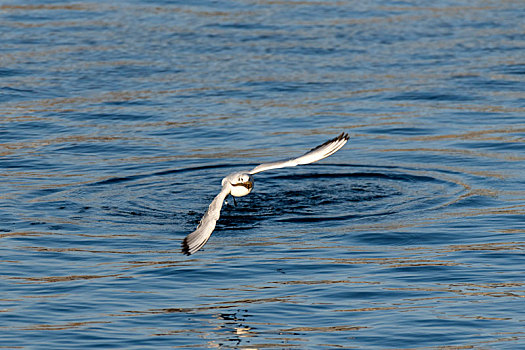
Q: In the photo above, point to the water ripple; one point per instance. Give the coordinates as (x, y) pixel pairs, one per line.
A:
(120, 119)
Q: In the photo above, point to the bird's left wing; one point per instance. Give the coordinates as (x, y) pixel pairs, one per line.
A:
(198, 238)
(322, 151)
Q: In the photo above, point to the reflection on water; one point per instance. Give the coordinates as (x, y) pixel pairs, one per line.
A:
(119, 120)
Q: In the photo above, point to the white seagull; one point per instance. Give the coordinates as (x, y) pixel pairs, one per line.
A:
(241, 183)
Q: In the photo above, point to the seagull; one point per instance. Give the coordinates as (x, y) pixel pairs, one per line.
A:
(239, 184)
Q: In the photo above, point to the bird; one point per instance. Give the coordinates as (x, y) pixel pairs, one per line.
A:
(239, 184)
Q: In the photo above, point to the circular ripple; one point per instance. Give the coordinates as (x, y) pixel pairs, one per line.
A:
(341, 193)
(350, 197)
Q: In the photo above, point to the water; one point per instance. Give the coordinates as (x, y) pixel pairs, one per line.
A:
(119, 119)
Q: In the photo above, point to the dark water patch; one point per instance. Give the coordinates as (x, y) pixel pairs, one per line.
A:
(159, 173)
(126, 103)
(481, 82)
(249, 27)
(357, 175)
(9, 94)
(4, 72)
(516, 69)
(508, 146)
(402, 131)
(430, 96)
(395, 238)
(103, 117)
(320, 219)
(287, 86)
(93, 146)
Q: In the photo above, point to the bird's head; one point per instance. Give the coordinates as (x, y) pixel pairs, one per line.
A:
(241, 183)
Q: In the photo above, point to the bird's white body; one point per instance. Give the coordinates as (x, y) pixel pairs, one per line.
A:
(241, 183)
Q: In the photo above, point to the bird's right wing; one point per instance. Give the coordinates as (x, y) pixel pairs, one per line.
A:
(320, 152)
(198, 238)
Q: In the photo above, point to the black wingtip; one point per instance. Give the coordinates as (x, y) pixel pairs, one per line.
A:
(343, 135)
(185, 248)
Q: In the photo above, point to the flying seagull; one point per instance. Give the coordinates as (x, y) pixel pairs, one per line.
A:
(241, 183)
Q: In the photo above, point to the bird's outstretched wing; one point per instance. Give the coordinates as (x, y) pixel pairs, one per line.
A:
(195, 240)
(322, 151)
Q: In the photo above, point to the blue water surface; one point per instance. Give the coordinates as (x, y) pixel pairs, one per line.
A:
(119, 119)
